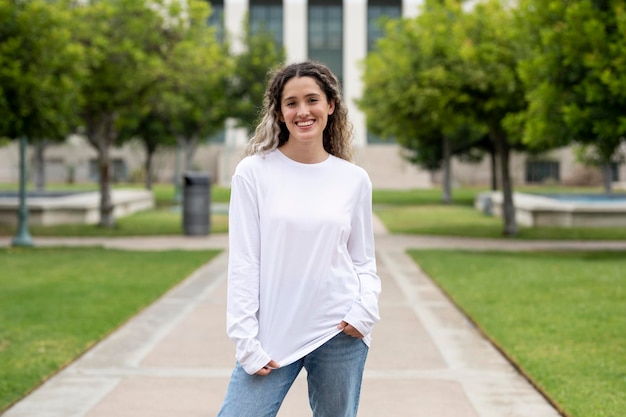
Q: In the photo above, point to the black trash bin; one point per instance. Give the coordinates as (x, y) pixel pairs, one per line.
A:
(196, 203)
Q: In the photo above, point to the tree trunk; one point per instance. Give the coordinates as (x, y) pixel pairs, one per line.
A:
(101, 135)
(106, 202)
(446, 198)
(40, 167)
(494, 170)
(607, 177)
(148, 166)
(508, 209)
(190, 146)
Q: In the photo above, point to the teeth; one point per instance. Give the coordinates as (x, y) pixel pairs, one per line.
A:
(304, 124)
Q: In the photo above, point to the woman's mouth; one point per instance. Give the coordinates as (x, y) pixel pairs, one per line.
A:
(305, 123)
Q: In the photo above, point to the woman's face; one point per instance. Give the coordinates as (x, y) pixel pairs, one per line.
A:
(305, 109)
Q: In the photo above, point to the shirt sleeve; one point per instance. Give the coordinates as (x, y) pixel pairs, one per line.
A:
(364, 313)
(242, 308)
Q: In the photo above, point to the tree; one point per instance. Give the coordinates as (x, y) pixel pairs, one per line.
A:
(39, 67)
(412, 94)
(247, 86)
(489, 53)
(40, 70)
(446, 79)
(189, 103)
(201, 68)
(575, 75)
(127, 43)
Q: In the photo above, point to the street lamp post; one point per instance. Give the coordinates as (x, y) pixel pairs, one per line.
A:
(22, 238)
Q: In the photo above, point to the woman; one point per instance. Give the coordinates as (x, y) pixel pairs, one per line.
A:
(302, 283)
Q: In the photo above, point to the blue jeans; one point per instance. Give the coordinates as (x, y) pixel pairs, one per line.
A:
(334, 374)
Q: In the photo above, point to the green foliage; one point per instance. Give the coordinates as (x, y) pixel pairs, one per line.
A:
(126, 43)
(445, 83)
(57, 303)
(489, 54)
(41, 68)
(560, 316)
(247, 86)
(190, 100)
(421, 84)
(404, 94)
(200, 67)
(575, 73)
(148, 60)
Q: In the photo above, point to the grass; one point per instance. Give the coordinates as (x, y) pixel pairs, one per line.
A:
(422, 212)
(146, 223)
(431, 196)
(56, 303)
(560, 316)
(164, 219)
(460, 220)
(463, 196)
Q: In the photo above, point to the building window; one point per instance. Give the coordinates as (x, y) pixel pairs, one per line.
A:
(326, 34)
(216, 18)
(376, 11)
(267, 15)
(542, 171)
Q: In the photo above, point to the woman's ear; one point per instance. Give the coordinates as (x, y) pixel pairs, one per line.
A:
(280, 116)
(331, 107)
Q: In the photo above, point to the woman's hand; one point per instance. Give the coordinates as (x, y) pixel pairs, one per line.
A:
(271, 365)
(349, 329)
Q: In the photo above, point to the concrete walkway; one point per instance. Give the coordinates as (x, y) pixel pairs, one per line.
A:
(174, 358)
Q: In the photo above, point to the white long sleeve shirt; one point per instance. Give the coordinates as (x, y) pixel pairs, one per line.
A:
(301, 257)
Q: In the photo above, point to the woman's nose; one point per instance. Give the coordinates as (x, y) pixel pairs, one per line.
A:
(303, 109)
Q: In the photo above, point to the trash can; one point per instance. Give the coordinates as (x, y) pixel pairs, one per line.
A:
(196, 203)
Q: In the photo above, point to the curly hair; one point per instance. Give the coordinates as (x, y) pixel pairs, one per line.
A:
(271, 133)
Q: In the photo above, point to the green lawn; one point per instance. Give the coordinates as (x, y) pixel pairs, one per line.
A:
(462, 220)
(56, 303)
(560, 316)
(422, 212)
(164, 219)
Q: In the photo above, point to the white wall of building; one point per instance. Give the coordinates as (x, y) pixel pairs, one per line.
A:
(295, 29)
(354, 52)
(234, 15)
(410, 8)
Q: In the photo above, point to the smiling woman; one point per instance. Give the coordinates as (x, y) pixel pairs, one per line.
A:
(302, 283)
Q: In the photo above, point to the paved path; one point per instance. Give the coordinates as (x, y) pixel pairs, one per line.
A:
(174, 358)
